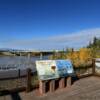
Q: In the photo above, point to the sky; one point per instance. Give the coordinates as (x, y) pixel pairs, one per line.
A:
(48, 24)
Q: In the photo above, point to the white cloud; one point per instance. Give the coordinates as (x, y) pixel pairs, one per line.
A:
(76, 40)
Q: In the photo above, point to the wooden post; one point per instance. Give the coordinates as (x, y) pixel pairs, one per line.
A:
(65, 81)
(28, 87)
(18, 72)
(52, 85)
(42, 87)
(69, 80)
(62, 83)
(93, 66)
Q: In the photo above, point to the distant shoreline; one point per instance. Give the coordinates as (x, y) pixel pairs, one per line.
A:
(7, 53)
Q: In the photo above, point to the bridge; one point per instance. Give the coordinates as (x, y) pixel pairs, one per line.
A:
(23, 52)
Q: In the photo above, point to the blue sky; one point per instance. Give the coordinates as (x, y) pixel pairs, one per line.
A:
(48, 24)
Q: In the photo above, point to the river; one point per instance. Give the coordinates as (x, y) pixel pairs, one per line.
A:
(10, 65)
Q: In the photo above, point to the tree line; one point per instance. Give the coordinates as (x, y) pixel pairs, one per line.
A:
(82, 57)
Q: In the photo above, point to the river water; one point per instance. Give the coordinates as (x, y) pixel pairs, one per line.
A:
(10, 65)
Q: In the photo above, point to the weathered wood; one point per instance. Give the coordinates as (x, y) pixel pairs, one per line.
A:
(52, 85)
(69, 81)
(62, 83)
(28, 85)
(42, 87)
(84, 76)
(93, 65)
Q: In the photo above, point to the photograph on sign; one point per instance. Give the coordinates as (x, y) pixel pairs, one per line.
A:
(51, 69)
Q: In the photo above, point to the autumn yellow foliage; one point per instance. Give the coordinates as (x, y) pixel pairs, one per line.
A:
(81, 57)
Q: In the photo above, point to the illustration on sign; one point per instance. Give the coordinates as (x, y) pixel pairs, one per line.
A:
(47, 69)
(51, 69)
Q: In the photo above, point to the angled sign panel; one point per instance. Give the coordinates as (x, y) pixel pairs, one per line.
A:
(51, 69)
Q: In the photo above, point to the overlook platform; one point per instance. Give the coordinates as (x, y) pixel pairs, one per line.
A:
(83, 89)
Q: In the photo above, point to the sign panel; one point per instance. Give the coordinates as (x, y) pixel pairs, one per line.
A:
(47, 69)
(51, 69)
(64, 67)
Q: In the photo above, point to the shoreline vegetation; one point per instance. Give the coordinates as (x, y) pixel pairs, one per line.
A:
(82, 57)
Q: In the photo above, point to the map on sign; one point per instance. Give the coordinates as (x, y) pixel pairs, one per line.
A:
(64, 67)
(51, 69)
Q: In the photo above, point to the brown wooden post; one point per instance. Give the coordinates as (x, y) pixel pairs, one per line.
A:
(18, 72)
(69, 81)
(65, 81)
(42, 87)
(62, 83)
(93, 66)
(28, 85)
(52, 85)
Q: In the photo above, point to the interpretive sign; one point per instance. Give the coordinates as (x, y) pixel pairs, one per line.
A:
(97, 66)
(51, 69)
(64, 67)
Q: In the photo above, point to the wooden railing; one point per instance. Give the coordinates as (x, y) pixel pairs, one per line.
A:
(30, 81)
